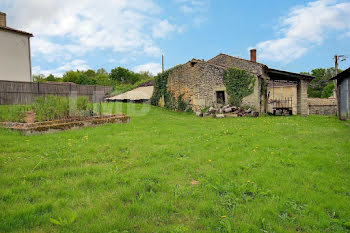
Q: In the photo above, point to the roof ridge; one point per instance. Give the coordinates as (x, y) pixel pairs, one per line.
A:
(237, 58)
(15, 30)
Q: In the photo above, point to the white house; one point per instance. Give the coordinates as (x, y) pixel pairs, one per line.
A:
(15, 59)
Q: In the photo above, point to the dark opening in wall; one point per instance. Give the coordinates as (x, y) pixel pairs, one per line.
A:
(193, 63)
(220, 97)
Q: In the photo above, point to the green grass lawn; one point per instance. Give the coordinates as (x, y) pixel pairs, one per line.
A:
(266, 174)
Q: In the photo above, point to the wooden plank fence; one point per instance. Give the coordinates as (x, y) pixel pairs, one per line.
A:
(12, 92)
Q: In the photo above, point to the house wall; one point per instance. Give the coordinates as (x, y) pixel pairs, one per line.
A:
(15, 64)
(282, 92)
(198, 85)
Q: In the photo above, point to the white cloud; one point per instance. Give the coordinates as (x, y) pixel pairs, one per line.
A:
(154, 68)
(67, 29)
(38, 70)
(162, 29)
(74, 65)
(58, 72)
(304, 28)
(193, 6)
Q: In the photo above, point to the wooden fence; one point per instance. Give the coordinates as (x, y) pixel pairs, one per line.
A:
(24, 92)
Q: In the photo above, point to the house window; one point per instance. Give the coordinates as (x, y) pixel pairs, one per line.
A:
(220, 97)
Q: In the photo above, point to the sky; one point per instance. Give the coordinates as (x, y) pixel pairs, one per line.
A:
(293, 35)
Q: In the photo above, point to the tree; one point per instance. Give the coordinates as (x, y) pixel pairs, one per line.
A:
(321, 80)
(239, 84)
(39, 78)
(90, 73)
(101, 71)
(124, 76)
(50, 78)
(328, 90)
(71, 76)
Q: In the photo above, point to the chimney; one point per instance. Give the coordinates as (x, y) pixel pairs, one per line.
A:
(2, 19)
(253, 55)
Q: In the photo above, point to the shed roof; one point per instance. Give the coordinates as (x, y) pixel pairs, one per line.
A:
(286, 75)
(16, 31)
(140, 93)
(342, 75)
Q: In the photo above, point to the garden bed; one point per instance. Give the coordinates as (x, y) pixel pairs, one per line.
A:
(64, 124)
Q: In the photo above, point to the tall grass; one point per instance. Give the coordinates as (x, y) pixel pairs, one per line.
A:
(14, 113)
(57, 107)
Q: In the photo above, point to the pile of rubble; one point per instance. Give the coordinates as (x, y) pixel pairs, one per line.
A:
(227, 111)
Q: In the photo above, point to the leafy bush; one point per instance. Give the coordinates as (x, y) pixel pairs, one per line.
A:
(239, 84)
(181, 104)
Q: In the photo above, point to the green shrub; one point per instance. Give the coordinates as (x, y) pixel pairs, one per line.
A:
(204, 110)
(181, 104)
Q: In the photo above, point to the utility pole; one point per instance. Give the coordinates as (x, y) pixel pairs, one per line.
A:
(336, 87)
(162, 63)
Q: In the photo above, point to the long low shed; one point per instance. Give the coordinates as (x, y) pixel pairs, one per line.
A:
(140, 94)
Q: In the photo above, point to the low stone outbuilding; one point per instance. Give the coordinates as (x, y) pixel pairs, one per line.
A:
(201, 83)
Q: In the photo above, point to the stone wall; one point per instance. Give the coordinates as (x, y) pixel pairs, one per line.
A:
(198, 82)
(322, 106)
(303, 105)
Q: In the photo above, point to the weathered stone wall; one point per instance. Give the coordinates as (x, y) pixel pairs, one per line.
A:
(322, 106)
(198, 82)
(254, 68)
(303, 105)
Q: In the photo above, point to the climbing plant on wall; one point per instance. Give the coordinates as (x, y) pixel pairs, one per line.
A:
(239, 84)
(167, 98)
(160, 88)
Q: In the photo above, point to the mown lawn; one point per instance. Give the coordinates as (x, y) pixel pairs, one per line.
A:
(266, 174)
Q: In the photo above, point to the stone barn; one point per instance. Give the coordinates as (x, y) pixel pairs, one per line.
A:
(201, 83)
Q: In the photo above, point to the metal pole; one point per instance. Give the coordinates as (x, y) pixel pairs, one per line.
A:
(162, 63)
(336, 87)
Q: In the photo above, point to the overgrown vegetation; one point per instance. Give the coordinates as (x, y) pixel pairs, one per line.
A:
(160, 88)
(57, 107)
(174, 172)
(239, 84)
(161, 96)
(14, 113)
(121, 78)
(321, 86)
